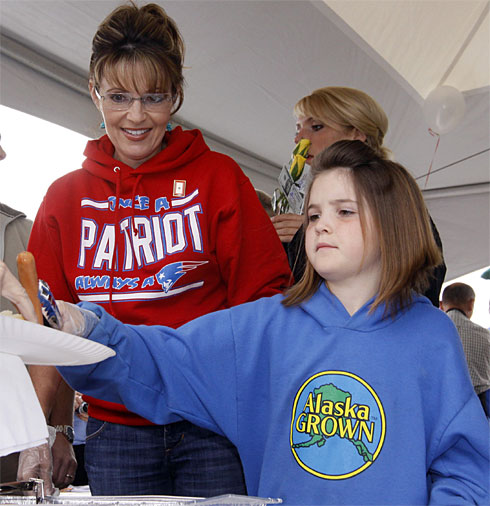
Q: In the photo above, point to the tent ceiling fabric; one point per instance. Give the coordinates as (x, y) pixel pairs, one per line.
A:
(248, 62)
(437, 42)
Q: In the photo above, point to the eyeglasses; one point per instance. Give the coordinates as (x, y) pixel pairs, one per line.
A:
(121, 101)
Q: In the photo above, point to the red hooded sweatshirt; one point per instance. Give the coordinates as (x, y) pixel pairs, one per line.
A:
(180, 236)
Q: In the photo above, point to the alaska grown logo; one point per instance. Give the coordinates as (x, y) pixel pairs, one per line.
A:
(338, 425)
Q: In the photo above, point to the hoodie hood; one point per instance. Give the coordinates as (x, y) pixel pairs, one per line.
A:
(181, 148)
(328, 311)
(9, 214)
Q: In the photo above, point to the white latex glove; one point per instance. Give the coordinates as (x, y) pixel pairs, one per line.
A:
(11, 289)
(76, 320)
(37, 462)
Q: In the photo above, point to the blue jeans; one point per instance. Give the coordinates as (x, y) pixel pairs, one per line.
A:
(175, 459)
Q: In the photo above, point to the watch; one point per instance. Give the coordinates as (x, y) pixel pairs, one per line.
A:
(67, 431)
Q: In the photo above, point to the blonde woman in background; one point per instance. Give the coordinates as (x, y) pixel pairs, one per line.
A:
(325, 116)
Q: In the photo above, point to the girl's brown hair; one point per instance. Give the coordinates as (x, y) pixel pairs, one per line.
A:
(147, 37)
(408, 250)
(350, 109)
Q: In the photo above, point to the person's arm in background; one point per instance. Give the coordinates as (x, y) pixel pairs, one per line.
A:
(46, 380)
(55, 396)
(56, 399)
(286, 225)
(64, 461)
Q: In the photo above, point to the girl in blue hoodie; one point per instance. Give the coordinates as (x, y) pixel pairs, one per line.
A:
(351, 388)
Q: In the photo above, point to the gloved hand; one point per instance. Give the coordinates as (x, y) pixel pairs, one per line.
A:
(37, 462)
(76, 320)
(63, 315)
(11, 289)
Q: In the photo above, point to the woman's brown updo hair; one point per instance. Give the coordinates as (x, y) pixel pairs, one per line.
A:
(143, 37)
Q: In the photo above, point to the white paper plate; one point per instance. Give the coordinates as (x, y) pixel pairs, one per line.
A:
(39, 345)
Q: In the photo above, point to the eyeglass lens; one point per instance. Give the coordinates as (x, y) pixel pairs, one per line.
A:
(151, 101)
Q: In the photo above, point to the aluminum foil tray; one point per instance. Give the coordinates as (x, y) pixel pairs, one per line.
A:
(68, 500)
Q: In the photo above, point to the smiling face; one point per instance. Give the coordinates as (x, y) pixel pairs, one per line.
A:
(321, 135)
(334, 241)
(136, 133)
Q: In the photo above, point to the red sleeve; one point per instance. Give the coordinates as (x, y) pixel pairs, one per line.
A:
(46, 246)
(252, 260)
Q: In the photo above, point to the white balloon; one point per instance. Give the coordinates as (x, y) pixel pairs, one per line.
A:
(444, 108)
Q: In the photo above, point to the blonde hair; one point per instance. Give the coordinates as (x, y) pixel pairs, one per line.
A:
(349, 108)
(144, 37)
(408, 251)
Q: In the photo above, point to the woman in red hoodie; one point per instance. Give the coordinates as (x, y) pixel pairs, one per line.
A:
(158, 229)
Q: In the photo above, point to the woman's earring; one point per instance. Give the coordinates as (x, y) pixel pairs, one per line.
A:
(169, 127)
(102, 125)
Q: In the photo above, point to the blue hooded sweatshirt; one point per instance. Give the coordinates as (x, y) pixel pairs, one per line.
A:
(324, 407)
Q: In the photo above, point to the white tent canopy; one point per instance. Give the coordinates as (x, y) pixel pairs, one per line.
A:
(248, 62)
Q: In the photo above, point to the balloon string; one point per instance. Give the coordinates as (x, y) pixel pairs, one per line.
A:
(434, 134)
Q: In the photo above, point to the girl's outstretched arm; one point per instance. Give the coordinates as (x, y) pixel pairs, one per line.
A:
(164, 374)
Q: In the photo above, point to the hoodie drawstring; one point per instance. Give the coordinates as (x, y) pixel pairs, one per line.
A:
(117, 170)
(135, 187)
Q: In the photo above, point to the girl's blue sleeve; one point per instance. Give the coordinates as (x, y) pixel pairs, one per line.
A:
(159, 372)
(459, 470)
